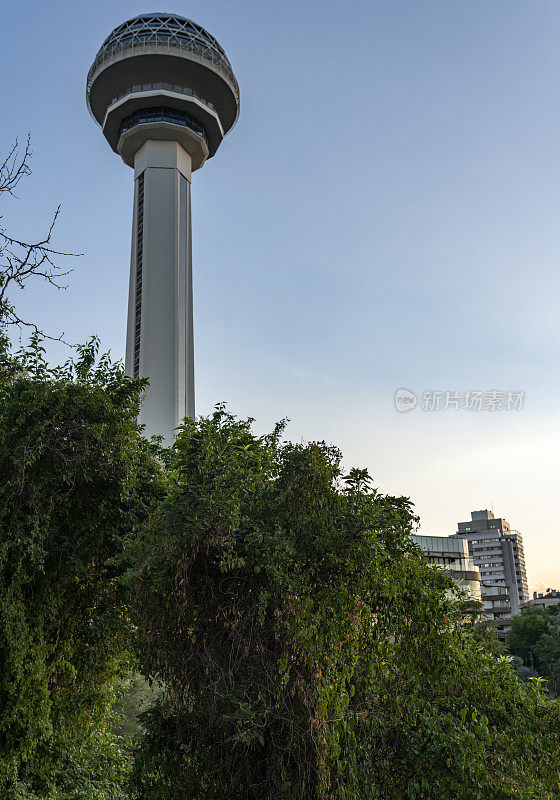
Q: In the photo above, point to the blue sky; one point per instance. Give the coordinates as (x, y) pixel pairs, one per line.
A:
(384, 214)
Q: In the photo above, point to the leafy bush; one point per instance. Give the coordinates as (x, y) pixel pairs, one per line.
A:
(307, 648)
(534, 638)
(75, 477)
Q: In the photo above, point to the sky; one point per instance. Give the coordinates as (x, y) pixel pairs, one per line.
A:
(384, 215)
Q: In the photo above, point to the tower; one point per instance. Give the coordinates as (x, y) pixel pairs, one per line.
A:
(164, 94)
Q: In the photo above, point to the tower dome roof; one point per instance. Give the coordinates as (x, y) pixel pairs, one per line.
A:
(171, 30)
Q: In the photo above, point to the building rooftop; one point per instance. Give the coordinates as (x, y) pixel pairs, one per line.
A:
(162, 61)
(443, 544)
(161, 34)
(169, 29)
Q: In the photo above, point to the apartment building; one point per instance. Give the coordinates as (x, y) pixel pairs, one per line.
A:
(497, 551)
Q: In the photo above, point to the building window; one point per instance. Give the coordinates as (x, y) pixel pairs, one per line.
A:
(138, 282)
(162, 114)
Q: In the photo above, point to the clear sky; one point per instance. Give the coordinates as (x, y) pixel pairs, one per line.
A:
(384, 215)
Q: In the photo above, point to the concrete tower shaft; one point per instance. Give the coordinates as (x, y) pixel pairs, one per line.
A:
(160, 341)
(164, 94)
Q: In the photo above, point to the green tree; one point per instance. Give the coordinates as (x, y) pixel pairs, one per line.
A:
(307, 649)
(535, 638)
(75, 477)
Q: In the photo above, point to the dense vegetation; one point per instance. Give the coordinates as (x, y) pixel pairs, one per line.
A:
(307, 648)
(534, 639)
(75, 478)
(304, 646)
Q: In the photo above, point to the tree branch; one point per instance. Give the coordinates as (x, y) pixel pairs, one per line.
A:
(15, 166)
(20, 261)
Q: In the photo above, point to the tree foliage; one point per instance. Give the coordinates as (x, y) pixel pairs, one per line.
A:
(75, 477)
(307, 648)
(534, 637)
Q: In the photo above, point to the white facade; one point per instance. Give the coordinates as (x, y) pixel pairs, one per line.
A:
(452, 555)
(160, 341)
(164, 93)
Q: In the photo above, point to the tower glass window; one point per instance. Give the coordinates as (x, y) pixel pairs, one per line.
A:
(138, 283)
(162, 114)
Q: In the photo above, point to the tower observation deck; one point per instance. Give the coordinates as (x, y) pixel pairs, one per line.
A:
(164, 94)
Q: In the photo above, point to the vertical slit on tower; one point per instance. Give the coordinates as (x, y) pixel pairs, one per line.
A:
(138, 290)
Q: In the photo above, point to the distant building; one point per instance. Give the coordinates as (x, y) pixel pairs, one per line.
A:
(497, 607)
(498, 553)
(452, 555)
(541, 601)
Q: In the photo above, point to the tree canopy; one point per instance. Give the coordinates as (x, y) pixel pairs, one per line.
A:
(307, 648)
(75, 477)
(535, 639)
